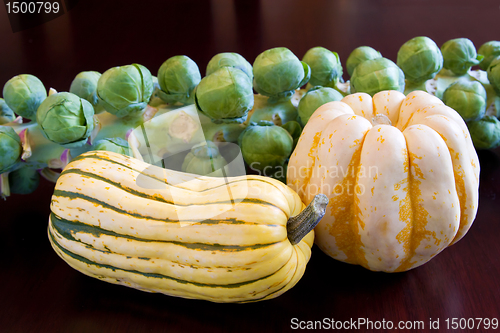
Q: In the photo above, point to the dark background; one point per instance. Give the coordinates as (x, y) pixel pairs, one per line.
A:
(40, 293)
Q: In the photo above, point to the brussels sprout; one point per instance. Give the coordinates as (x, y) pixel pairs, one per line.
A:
(84, 85)
(265, 146)
(485, 132)
(279, 112)
(226, 94)
(24, 180)
(23, 94)
(229, 59)
(10, 148)
(459, 55)
(420, 59)
(66, 119)
(489, 50)
(204, 159)
(294, 129)
(6, 113)
(278, 72)
(494, 74)
(116, 145)
(314, 98)
(373, 76)
(177, 77)
(466, 97)
(360, 54)
(326, 69)
(125, 90)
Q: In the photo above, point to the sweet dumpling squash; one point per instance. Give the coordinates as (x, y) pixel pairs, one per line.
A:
(400, 172)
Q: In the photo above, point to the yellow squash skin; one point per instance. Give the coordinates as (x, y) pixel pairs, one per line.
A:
(116, 218)
(398, 194)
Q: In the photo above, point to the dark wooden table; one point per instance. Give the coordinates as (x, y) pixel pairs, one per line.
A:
(41, 293)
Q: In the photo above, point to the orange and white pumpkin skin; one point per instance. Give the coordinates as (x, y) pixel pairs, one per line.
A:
(398, 194)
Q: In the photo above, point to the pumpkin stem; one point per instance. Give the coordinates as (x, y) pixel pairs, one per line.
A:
(381, 119)
(300, 225)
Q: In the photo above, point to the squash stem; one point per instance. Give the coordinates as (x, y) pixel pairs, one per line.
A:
(381, 119)
(300, 225)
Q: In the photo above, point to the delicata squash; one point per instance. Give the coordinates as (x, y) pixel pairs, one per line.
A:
(400, 172)
(236, 239)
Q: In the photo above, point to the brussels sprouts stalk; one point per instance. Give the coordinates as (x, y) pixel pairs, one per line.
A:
(17, 121)
(343, 88)
(50, 174)
(4, 185)
(134, 146)
(445, 78)
(61, 162)
(25, 144)
(112, 126)
(38, 151)
(279, 113)
(493, 108)
(183, 127)
(263, 109)
(66, 123)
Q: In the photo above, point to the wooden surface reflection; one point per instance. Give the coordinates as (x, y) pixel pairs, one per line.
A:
(41, 293)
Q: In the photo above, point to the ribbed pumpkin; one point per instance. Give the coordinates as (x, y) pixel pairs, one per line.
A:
(124, 221)
(400, 172)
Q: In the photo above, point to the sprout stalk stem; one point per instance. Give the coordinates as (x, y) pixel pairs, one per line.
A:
(4, 185)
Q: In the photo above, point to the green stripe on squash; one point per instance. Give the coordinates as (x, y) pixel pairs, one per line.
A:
(156, 198)
(153, 275)
(98, 157)
(67, 228)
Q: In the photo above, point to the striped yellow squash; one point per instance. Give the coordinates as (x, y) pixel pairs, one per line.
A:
(400, 172)
(124, 221)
